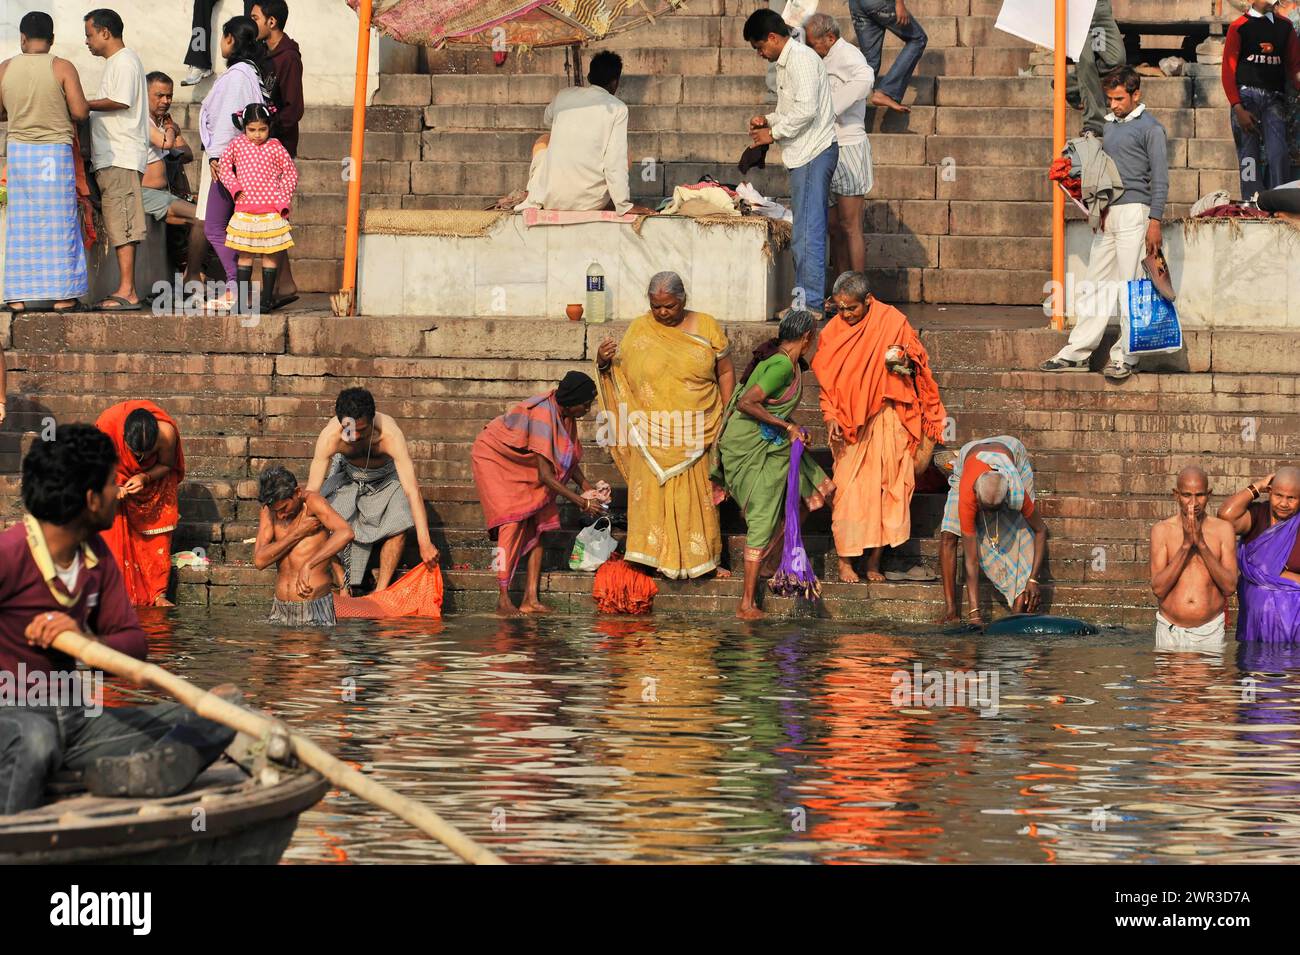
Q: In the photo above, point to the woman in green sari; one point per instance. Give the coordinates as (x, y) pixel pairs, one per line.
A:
(754, 450)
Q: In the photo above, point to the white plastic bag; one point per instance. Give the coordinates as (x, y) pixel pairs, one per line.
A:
(593, 546)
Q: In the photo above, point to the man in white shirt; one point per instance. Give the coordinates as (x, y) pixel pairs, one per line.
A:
(119, 149)
(851, 82)
(581, 165)
(804, 127)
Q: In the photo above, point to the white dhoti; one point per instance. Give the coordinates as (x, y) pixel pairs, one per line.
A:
(1207, 638)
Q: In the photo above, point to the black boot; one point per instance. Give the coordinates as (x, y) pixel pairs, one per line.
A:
(243, 289)
(268, 288)
(171, 764)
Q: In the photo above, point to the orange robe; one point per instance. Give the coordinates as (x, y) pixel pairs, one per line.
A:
(141, 536)
(882, 418)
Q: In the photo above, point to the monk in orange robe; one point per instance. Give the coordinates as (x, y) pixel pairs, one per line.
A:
(883, 412)
(150, 468)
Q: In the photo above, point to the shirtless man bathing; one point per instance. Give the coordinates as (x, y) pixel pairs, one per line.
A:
(364, 471)
(301, 533)
(1193, 569)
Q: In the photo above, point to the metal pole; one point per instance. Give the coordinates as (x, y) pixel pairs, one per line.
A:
(352, 239)
(1058, 197)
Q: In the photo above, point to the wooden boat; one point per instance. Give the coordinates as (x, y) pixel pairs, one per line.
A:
(226, 817)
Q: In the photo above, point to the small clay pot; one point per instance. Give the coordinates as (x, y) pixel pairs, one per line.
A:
(574, 312)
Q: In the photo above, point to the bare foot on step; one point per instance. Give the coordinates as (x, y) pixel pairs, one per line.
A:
(533, 607)
(888, 102)
(847, 574)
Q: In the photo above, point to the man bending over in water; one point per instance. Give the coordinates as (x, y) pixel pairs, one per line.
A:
(1193, 569)
(363, 468)
(301, 533)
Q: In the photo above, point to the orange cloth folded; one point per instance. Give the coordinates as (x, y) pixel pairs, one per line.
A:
(417, 594)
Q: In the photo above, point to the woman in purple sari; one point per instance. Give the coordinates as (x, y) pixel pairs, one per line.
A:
(1268, 593)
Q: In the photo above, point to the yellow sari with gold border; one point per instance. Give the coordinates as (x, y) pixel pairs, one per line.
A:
(661, 411)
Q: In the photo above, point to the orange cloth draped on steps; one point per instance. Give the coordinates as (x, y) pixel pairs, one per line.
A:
(517, 507)
(418, 593)
(141, 535)
(621, 588)
(882, 417)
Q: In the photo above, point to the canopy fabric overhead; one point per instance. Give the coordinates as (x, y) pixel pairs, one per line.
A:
(516, 23)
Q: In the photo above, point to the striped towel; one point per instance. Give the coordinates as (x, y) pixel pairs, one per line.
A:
(44, 256)
(1006, 542)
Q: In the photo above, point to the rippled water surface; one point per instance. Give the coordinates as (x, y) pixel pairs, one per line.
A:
(671, 740)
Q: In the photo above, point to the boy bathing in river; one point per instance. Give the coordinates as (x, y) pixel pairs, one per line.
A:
(1193, 569)
(300, 532)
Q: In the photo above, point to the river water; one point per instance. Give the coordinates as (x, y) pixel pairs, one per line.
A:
(687, 740)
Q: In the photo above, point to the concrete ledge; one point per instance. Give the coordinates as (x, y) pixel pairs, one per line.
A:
(142, 331)
(1229, 274)
(536, 272)
(422, 337)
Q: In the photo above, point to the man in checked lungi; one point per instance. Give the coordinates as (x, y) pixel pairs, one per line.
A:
(991, 511)
(41, 96)
(363, 469)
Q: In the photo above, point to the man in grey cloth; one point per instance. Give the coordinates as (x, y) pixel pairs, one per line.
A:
(363, 469)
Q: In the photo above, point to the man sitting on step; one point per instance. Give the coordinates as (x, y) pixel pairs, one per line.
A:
(1268, 593)
(56, 575)
(581, 165)
(1193, 569)
(363, 469)
(1130, 226)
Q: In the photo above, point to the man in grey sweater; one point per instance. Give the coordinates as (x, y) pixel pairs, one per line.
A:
(1130, 228)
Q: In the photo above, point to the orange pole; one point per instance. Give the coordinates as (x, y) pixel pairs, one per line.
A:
(353, 237)
(1058, 197)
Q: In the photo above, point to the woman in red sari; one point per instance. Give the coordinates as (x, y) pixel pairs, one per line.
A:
(150, 468)
(522, 461)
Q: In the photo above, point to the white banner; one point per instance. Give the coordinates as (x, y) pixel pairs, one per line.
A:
(1033, 20)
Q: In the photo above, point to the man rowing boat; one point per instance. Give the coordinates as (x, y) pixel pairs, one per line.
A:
(57, 574)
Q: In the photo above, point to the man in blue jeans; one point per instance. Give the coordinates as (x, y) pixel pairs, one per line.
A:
(804, 127)
(871, 18)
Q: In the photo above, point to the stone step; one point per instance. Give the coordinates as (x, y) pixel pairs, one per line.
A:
(741, 90)
(687, 118)
(570, 592)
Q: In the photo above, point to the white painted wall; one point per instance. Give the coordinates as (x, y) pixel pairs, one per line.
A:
(159, 32)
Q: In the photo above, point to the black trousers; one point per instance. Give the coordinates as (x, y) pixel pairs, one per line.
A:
(202, 42)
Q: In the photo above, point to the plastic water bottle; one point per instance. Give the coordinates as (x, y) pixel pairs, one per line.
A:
(597, 297)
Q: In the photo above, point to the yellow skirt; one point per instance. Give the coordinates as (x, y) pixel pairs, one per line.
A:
(673, 527)
(261, 234)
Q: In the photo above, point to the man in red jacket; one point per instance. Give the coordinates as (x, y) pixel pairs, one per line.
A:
(286, 60)
(56, 574)
(1260, 56)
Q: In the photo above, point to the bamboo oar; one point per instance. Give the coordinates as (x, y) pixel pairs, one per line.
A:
(100, 657)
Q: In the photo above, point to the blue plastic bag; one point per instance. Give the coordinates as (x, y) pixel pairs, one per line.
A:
(1148, 323)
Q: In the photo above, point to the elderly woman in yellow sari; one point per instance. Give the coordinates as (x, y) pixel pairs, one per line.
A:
(662, 393)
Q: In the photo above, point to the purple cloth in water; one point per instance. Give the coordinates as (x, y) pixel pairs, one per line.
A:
(1269, 603)
(794, 577)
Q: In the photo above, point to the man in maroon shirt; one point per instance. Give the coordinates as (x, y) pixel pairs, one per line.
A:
(1261, 58)
(286, 60)
(56, 574)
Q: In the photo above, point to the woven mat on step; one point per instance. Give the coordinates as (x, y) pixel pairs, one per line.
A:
(456, 223)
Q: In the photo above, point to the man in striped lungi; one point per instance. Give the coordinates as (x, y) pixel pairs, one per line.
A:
(45, 260)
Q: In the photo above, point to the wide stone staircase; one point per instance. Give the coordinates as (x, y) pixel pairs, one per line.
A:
(245, 397)
(961, 207)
